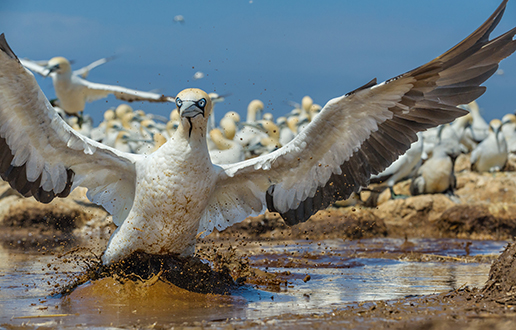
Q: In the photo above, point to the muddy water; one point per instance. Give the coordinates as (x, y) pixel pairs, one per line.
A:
(340, 272)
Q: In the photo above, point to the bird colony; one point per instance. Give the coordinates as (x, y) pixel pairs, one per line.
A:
(169, 181)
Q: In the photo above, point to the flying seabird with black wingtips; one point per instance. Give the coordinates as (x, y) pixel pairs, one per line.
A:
(73, 91)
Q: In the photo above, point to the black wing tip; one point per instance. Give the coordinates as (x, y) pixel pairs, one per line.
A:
(4, 46)
(16, 176)
(371, 83)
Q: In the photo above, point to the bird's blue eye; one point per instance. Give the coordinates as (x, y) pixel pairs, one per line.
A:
(201, 103)
(179, 102)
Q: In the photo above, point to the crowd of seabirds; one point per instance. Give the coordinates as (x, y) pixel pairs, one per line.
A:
(429, 162)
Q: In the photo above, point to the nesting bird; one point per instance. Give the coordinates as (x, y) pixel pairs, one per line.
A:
(491, 154)
(162, 202)
(509, 131)
(73, 91)
(437, 174)
(402, 167)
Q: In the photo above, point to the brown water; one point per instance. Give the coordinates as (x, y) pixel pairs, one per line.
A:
(340, 272)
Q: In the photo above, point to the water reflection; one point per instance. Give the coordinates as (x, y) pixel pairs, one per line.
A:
(340, 272)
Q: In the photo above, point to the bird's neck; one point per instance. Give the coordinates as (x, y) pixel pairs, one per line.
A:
(186, 139)
(67, 76)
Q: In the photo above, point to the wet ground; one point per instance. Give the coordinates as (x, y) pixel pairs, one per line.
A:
(316, 278)
(415, 263)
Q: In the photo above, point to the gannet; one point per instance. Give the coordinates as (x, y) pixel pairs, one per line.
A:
(73, 91)
(250, 134)
(286, 134)
(164, 201)
(226, 151)
(491, 154)
(41, 67)
(402, 167)
(437, 174)
(229, 124)
(478, 129)
(509, 131)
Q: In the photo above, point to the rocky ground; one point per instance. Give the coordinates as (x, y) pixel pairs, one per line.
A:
(483, 207)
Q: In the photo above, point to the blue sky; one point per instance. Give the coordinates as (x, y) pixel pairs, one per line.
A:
(276, 51)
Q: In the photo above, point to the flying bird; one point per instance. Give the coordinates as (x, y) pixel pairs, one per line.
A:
(41, 67)
(164, 201)
(73, 91)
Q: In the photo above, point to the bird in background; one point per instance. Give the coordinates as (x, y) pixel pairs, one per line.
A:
(353, 137)
(491, 154)
(509, 131)
(402, 167)
(437, 174)
(478, 128)
(73, 91)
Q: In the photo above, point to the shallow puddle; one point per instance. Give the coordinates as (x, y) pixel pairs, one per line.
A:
(340, 272)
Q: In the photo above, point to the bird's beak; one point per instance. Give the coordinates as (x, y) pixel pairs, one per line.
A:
(51, 69)
(189, 110)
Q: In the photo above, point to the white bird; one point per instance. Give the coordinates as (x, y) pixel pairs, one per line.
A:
(402, 167)
(73, 91)
(226, 151)
(478, 129)
(509, 131)
(435, 135)
(437, 174)
(198, 75)
(286, 134)
(164, 201)
(491, 154)
(179, 19)
(250, 133)
(41, 67)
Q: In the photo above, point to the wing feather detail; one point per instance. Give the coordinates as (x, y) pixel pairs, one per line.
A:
(97, 91)
(361, 133)
(42, 156)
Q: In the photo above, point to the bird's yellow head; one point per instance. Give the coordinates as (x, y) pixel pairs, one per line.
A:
(59, 65)
(194, 106)
(495, 125)
(192, 102)
(509, 119)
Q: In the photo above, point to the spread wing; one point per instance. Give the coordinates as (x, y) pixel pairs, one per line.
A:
(358, 134)
(36, 66)
(85, 71)
(98, 91)
(41, 156)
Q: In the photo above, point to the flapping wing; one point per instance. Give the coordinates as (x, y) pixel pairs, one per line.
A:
(97, 91)
(361, 133)
(36, 66)
(41, 156)
(85, 71)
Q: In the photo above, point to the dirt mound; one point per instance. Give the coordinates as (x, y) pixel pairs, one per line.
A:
(481, 220)
(345, 223)
(501, 285)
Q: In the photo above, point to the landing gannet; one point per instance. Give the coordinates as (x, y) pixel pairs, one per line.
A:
(73, 91)
(163, 201)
